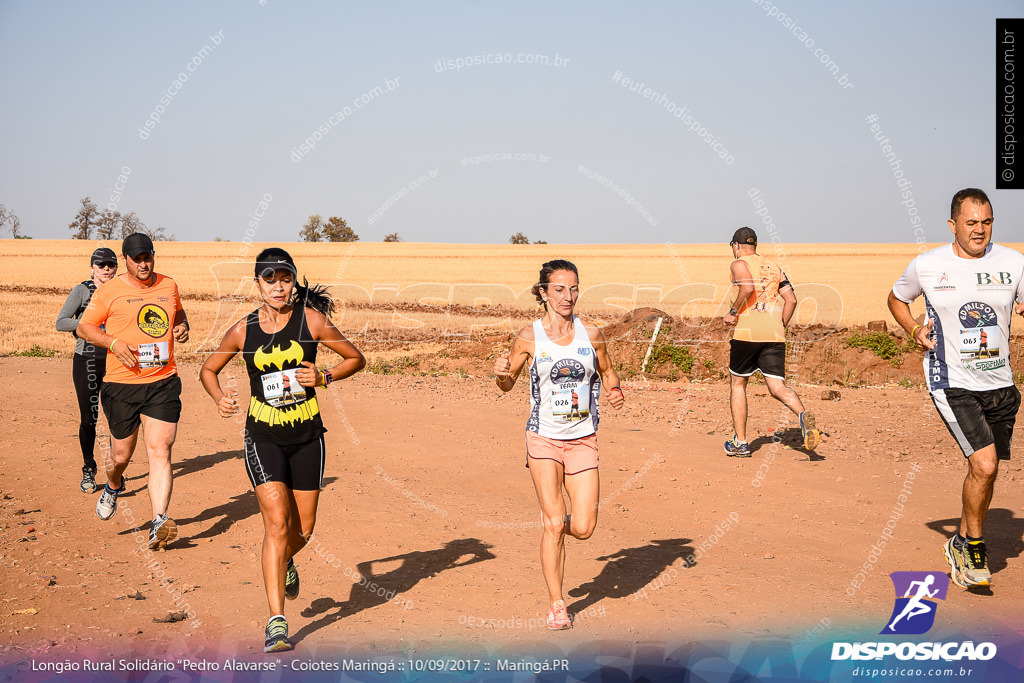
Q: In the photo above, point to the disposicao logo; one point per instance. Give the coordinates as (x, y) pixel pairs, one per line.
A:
(913, 613)
(916, 595)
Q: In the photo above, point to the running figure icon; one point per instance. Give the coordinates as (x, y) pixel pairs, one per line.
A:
(916, 605)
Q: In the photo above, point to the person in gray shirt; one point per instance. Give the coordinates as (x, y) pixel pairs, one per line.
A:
(90, 362)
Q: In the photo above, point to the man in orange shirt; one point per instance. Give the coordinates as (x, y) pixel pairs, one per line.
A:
(138, 316)
(759, 338)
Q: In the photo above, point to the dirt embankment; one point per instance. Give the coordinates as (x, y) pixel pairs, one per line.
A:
(690, 348)
(695, 349)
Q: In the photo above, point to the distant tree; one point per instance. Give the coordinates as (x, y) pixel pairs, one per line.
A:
(108, 226)
(130, 223)
(10, 222)
(220, 239)
(112, 225)
(519, 238)
(86, 220)
(540, 242)
(392, 237)
(158, 234)
(337, 230)
(313, 230)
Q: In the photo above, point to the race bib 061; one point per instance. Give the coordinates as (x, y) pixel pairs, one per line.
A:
(282, 389)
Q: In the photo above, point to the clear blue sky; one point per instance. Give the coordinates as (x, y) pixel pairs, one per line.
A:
(78, 79)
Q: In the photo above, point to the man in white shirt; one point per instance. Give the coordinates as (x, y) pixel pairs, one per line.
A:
(971, 289)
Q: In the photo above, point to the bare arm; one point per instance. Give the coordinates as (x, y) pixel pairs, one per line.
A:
(124, 351)
(180, 327)
(789, 305)
(921, 334)
(742, 278)
(508, 365)
(324, 331)
(209, 375)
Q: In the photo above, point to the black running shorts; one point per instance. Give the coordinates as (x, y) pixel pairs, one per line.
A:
(746, 358)
(300, 467)
(125, 404)
(978, 419)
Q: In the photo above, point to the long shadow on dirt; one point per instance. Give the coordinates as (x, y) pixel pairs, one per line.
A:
(790, 438)
(180, 468)
(370, 590)
(629, 570)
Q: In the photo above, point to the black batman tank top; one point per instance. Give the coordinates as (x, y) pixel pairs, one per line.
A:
(281, 410)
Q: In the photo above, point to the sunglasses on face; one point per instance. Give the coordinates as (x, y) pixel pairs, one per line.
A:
(105, 264)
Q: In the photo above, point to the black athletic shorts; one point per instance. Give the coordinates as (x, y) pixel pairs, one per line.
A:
(746, 358)
(977, 419)
(125, 404)
(300, 467)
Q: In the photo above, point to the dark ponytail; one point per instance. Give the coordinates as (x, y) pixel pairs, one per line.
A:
(314, 297)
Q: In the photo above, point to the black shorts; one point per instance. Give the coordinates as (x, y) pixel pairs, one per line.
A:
(746, 358)
(978, 419)
(125, 404)
(300, 467)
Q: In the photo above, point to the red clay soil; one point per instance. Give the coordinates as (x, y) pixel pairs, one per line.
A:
(427, 500)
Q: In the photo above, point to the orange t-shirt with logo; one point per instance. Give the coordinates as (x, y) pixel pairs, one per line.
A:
(760, 316)
(142, 317)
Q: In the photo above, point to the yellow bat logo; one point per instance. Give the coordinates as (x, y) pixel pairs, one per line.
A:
(277, 357)
(301, 412)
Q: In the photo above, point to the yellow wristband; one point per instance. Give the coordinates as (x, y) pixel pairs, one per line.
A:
(914, 331)
(114, 339)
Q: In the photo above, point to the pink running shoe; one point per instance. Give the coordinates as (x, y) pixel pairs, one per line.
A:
(558, 617)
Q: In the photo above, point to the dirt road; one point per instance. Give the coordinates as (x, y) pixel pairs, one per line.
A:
(429, 527)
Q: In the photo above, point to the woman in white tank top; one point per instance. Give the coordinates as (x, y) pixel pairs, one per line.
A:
(567, 362)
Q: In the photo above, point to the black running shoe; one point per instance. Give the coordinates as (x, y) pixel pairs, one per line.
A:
(277, 636)
(291, 581)
(88, 484)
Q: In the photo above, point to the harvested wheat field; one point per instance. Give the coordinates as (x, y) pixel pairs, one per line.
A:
(430, 292)
(428, 528)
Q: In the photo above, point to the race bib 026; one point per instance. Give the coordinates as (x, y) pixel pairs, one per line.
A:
(570, 404)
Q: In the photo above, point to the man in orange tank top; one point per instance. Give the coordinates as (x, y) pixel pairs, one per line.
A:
(139, 317)
(759, 338)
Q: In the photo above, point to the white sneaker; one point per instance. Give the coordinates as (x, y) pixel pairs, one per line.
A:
(163, 531)
(106, 506)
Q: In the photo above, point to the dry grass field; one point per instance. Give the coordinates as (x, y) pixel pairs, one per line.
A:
(403, 289)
